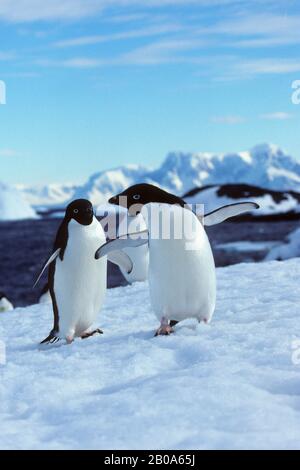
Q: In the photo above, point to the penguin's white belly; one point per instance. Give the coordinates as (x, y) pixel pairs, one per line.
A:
(182, 282)
(80, 280)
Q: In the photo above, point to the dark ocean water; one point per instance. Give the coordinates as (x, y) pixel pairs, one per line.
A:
(24, 246)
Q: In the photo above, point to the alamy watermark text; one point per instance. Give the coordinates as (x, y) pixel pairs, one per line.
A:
(296, 92)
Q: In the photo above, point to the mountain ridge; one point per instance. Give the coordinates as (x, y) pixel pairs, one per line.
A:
(266, 166)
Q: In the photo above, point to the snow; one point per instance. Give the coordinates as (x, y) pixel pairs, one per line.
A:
(101, 186)
(13, 206)
(289, 249)
(230, 384)
(281, 172)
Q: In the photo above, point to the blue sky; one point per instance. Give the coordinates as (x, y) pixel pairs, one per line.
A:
(93, 84)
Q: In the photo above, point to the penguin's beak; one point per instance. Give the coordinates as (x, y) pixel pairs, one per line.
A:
(119, 200)
(113, 200)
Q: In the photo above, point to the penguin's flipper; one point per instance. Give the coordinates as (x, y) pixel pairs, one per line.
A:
(231, 210)
(121, 259)
(49, 261)
(131, 240)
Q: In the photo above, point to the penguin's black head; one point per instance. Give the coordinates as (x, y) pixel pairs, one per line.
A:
(136, 196)
(80, 210)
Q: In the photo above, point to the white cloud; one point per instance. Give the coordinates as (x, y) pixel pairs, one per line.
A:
(75, 62)
(268, 66)
(267, 31)
(237, 68)
(257, 24)
(36, 10)
(163, 52)
(255, 30)
(230, 119)
(80, 63)
(127, 18)
(159, 52)
(277, 116)
(181, 41)
(251, 30)
(271, 41)
(145, 32)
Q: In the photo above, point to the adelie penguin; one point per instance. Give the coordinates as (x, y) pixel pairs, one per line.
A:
(77, 282)
(182, 279)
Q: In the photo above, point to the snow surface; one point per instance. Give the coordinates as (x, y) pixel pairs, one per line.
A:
(289, 249)
(230, 384)
(13, 206)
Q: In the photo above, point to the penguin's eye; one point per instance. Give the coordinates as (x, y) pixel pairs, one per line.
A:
(136, 197)
(75, 211)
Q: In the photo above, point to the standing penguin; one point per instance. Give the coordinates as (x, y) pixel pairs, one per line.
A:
(182, 279)
(77, 282)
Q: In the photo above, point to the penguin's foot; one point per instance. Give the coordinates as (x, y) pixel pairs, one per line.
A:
(164, 330)
(54, 342)
(91, 333)
(69, 339)
(51, 339)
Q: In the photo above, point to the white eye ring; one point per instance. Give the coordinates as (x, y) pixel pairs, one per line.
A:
(136, 197)
(75, 211)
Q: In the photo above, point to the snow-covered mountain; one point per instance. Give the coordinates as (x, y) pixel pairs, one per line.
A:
(48, 195)
(100, 186)
(13, 206)
(264, 165)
